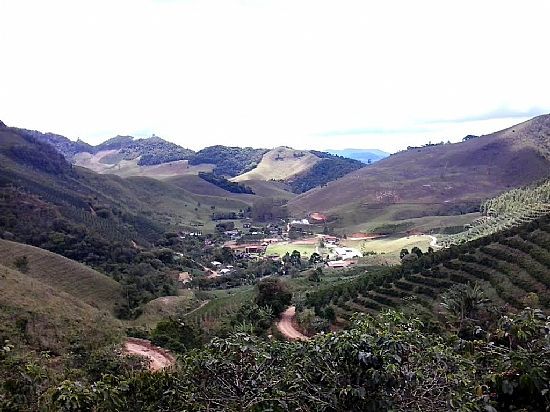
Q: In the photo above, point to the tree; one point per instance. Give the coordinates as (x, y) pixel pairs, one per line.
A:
(315, 258)
(274, 293)
(403, 253)
(296, 258)
(315, 275)
(416, 250)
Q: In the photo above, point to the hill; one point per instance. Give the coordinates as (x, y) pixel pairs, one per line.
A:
(38, 316)
(302, 170)
(156, 158)
(150, 151)
(229, 161)
(441, 179)
(366, 156)
(512, 267)
(107, 222)
(75, 279)
(280, 163)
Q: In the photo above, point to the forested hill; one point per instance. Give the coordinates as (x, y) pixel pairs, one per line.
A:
(151, 151)
(227, 160)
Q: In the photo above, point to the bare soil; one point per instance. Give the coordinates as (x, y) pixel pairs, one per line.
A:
(158, 358)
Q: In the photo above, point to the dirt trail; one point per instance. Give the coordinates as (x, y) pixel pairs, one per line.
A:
(158, 358)
(206, 302)
(285, 325)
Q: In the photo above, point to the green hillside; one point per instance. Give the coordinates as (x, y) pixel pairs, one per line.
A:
(512, 267)
(75, 279)
(43, 317)
(505, 211)
(433, 180)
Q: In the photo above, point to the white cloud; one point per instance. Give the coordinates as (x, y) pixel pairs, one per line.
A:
(265, 73)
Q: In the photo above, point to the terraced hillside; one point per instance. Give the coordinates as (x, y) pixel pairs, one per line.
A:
(511, 266)
(505, 211)
(66, 275)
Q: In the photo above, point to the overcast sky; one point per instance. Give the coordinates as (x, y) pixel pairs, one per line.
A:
(308, 74)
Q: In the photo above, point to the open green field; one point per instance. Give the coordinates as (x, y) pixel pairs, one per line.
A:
(280, 249)
(390, 245)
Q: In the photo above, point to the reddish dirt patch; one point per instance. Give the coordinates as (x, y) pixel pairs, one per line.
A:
(158, 358)
(286, 327)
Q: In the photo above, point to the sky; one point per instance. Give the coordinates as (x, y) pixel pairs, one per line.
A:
(307, 74)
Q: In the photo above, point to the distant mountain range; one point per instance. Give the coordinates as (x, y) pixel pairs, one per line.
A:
(155, 157)
(366, 156)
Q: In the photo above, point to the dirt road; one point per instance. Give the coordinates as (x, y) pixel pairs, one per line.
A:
(158, 358)
(285, 325)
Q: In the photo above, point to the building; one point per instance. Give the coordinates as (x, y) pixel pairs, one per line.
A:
(346, 253)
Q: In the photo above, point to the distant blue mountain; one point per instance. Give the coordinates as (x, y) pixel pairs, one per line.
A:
(363, 155)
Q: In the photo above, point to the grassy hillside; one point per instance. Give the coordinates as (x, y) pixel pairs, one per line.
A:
(134, 209)
(261, 188)
(75, 279)
(437, 179)
(101, 162)
(39, 316)
(281, 163)
(512, 267)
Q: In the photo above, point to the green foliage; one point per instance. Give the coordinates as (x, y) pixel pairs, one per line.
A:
(176, 335)
(274, 293)
(328, 169)
(225, 184)
(268, 209)
(229, 161)
(512, 208)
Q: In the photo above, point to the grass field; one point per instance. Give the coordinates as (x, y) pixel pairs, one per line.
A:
(280, 163)
(84, 284)
(280, 249)
(390, 245)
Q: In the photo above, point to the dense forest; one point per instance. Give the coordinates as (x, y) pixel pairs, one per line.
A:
(225, 184)
(229, 161)
(330, 168)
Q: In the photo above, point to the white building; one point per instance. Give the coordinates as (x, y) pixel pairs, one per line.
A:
(346, 253)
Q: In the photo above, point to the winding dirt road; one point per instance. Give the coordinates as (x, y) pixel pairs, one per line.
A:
(285, 325)
(158, 358)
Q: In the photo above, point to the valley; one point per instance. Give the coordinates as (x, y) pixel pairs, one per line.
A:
(138, 263)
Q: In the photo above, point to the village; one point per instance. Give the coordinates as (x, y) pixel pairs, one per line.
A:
(305, 238)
